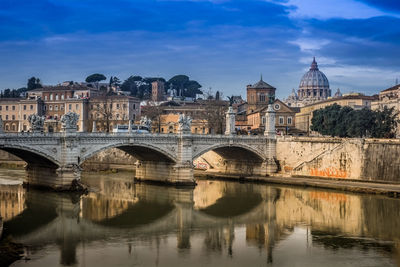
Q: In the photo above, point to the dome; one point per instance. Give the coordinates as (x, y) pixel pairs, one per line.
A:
(314, 78)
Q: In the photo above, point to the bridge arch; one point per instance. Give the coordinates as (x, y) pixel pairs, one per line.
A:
(141, 151)
(219, 148)
(31, 155)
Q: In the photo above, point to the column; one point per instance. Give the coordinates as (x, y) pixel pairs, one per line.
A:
(270, 133)
(230, 122)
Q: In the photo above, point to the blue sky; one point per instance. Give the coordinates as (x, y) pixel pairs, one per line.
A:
(223, 44)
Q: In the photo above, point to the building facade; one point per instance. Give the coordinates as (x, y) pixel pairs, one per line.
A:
(54, 101)
(258, 95)
(355, 101)
(389, 98)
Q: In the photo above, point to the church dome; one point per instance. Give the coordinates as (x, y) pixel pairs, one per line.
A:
(314, 78)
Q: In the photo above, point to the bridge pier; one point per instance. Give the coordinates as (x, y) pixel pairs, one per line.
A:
(60, 179)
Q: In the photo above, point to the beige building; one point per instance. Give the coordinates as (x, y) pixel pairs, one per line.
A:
(108, 111)
(15, 112)
(388, 98)
(169, 124)
(355, 101)
(284, 120)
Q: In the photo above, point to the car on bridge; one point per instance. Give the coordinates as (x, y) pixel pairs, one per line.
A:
(135, 129)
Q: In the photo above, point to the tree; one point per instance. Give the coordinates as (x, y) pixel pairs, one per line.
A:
(154, 113)
(340, 121)
(215, 115)
(95, 78)
(104, 111)
(184, 86)
(33, 83)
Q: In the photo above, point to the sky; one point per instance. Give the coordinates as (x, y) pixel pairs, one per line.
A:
(223, 44)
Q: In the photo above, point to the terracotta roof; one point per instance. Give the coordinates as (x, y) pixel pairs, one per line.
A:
(396, 87)
(261, 85)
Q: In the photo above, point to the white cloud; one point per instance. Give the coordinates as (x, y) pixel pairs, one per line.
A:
(326, 9)
(310, 44)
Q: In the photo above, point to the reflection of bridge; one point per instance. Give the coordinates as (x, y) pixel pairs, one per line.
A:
(54, 159)
(127, 210)
(68, 220)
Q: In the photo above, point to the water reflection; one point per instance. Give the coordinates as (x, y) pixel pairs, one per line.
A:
(217, 224)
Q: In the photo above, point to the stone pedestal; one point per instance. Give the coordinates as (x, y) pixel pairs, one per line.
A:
(230, 122)
(270, 130)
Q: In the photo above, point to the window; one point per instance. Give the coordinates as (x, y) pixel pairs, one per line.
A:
(62, 97)
(56, 107)
(281, 120)
(13, 117)
(56, 97)
(24, 127)
(289, 120)
(50, 107)
(1, 107)
(124, 106)
(117, 116)
(91, 107)
(13, 127)
(24, 107)
(77, 106)
(55, 116)
(263, 120)
(13, 107)
(45, 108)
(262, 98)
(70, 106)
(61, 107)
(6, 107)
(45, 97)
(51, 96)
(24, 116)
(31, 107)
(134, 106)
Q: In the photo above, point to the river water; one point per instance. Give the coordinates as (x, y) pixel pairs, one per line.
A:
(218, 223)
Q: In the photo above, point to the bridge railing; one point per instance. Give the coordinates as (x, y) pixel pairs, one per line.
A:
(104, 134)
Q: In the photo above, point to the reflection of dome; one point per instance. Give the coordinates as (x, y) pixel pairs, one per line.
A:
(314, 84)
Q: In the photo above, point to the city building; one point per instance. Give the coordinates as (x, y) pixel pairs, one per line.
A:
(108, 111)
(14, 113)
(54, 101)
(258, 95)
(157, 91)
(389, 98)
(355, 101)
(313, 87)
(284, 118)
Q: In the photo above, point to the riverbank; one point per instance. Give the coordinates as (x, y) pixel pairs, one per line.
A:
(356, 186)
(10, 251)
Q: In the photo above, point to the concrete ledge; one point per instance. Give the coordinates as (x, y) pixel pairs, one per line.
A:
(369, 187)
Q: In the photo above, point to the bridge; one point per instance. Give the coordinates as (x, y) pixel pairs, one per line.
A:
(55, 159)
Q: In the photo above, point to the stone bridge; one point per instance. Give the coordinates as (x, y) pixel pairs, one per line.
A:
(54, 159)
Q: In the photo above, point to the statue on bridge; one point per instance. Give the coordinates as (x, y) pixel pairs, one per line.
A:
(145, 122)
(36, 122)
(69, 121)
(185, 123)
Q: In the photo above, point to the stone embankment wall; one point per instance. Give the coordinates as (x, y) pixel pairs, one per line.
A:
(112, 158)
(363, 159)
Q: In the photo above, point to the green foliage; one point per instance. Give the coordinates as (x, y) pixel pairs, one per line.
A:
(13, 93)
(340, 121)
(94, 78)
(184, 86)
(33, 83)
(141, 86)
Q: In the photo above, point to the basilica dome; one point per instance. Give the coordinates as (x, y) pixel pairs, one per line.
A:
(314, 84)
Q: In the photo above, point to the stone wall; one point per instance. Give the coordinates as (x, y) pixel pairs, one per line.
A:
(364, 159)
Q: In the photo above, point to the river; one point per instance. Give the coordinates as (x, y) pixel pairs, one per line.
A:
(219, 223)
